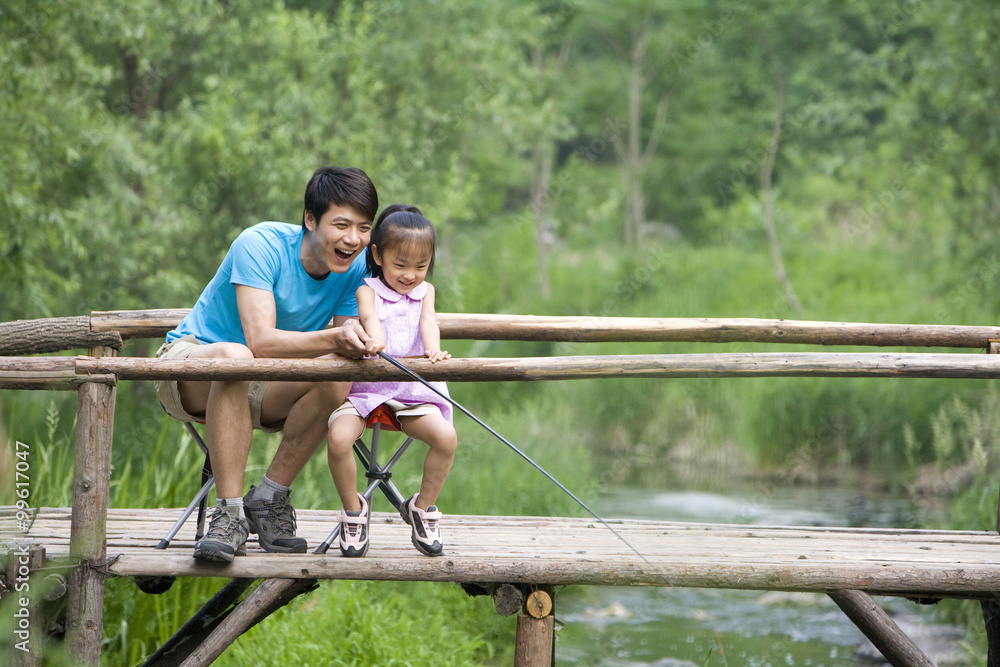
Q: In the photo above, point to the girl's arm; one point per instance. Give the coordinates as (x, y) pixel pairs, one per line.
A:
(429, 329)
(369, 320)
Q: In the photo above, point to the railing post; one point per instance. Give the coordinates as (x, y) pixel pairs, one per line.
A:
(88, 527)
(534, 643)
(991, 606)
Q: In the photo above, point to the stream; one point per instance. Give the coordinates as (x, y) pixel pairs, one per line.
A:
(685, 627)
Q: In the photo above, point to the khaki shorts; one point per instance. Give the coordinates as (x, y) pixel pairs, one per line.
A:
(170, 398)
(398, 410)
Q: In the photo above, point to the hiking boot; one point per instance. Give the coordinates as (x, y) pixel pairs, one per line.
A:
(354, 531)
(274, 523)
(226, 537)
(425, 534)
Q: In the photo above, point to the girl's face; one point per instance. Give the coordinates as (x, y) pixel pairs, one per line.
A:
(403, 268)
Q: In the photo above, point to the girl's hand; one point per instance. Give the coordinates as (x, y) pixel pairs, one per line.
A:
(436, 355)
(373, 346)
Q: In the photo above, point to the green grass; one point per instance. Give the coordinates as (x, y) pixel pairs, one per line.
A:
(379, 623)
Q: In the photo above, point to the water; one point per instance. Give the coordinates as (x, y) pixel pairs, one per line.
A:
(675, 627)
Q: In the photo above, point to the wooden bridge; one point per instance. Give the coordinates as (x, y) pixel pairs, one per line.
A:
(850, 565)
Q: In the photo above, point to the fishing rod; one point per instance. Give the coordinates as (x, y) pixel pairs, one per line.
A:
(519, 453)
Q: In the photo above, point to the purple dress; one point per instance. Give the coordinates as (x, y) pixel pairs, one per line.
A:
(400, 318)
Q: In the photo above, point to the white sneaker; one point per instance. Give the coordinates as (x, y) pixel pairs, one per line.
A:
(425, 534)
(354, 531)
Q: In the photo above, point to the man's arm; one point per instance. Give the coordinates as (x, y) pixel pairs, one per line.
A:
(259, 316)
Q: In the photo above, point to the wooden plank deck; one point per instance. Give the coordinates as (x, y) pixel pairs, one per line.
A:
(557, 551)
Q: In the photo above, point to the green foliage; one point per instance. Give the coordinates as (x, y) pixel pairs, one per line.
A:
(140, 138)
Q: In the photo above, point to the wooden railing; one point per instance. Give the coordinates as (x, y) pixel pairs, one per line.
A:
(111, 328)
(95, 376)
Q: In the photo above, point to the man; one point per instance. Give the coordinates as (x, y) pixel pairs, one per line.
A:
(273, 296)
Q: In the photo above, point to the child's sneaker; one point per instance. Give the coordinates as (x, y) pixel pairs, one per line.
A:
(354, 531)
(426, 536)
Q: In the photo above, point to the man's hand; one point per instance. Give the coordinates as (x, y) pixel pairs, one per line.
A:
(350, 339)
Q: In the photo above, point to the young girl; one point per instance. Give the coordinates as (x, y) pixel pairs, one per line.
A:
(396, 308)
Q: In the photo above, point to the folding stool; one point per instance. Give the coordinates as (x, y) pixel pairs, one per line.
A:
(378, 475)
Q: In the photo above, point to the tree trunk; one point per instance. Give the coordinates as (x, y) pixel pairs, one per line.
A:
(635, 205)
(542, 157)
(766, 176)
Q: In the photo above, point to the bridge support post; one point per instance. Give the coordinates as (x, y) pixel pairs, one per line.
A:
(991, 617)
(25, 584)
(991, 607)
(88, 527)
(209, 637)
(534, 644)
(872, 620)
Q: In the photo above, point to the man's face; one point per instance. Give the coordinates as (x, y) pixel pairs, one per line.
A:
(335, 240)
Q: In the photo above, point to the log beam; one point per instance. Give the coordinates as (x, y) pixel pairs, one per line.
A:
(508, 599)
(268, 597)
(53, 373)
(200, 626)
(872, 620)
(152, 323)
(581, 329)
(52, 335)
(777, 364)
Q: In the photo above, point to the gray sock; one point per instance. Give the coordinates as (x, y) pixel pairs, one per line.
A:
(232, 505)
(268, 489)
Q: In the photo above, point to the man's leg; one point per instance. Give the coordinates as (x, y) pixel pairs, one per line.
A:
(227, 418)
(304, 408)
(229, 433)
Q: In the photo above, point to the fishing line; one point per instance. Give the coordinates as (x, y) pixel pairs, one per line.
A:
(519, 453)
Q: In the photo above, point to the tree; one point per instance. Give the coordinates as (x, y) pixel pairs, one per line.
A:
(635, 32)
(549, 57)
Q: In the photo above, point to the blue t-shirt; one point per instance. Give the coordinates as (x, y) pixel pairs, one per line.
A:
(266, 256)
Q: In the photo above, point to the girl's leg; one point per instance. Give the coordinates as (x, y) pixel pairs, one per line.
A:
(344, 430)
(443, 441)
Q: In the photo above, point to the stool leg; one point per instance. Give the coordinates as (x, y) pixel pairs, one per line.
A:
(201, 498)
(207, 480)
